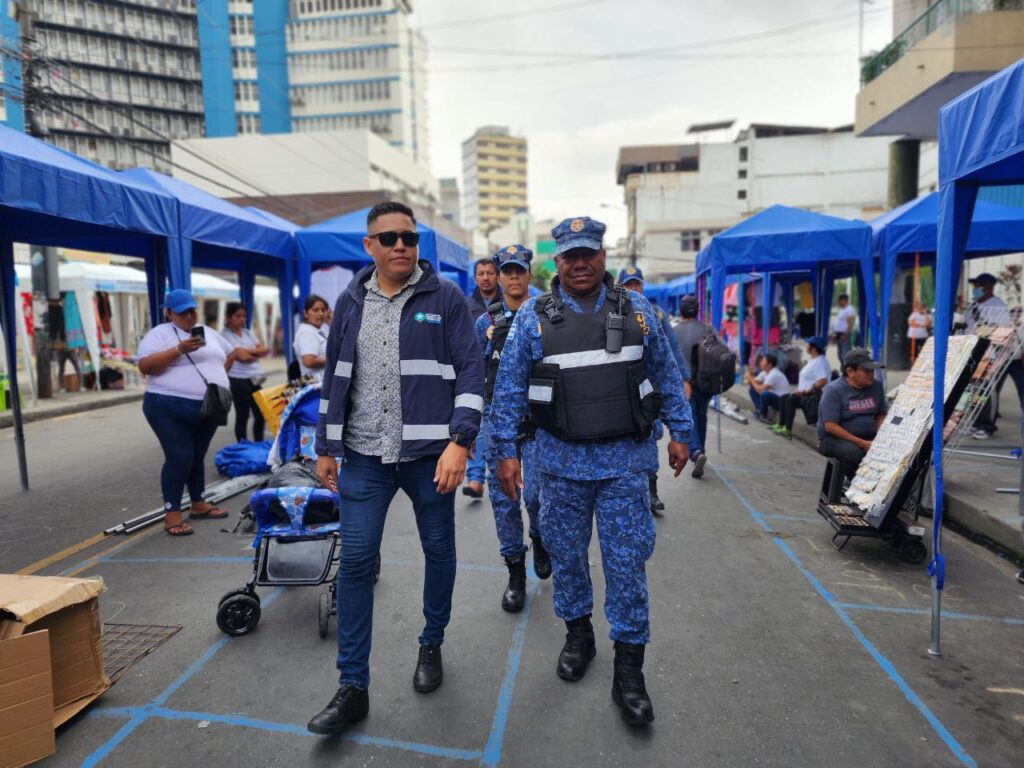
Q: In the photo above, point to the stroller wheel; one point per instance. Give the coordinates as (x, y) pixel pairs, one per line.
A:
(242, 591)
(324, 613)
(238, 615)
(376, 570)
(913, 551)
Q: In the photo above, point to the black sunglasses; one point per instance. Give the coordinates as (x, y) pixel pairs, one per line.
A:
(389, 239)
(504, 258)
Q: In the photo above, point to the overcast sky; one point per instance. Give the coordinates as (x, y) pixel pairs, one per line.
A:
(580, 79)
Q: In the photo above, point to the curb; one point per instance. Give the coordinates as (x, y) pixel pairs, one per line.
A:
(960, 506)
(7, 419)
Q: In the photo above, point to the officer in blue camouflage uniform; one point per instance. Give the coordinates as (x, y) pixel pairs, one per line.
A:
(587, 360)
(632, 279)
(513, 266)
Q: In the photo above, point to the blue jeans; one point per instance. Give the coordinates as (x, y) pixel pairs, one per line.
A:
(185, 437)
(366, 487)
(764, 400)
(699, 434)
(476, 468)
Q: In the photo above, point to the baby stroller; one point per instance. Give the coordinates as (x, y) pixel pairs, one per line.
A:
(297, 538)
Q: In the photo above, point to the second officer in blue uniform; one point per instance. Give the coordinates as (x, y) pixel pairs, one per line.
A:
(588, 362)
(492, 327)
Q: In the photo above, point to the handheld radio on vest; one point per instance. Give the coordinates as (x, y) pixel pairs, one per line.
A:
(614, 324)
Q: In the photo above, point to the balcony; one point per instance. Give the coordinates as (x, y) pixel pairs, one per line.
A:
(951, 47)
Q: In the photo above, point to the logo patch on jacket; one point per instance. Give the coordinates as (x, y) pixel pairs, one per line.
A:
(427, 317)
(643, 323)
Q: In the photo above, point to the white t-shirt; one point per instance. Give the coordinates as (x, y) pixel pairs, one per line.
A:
(245, 339)
(839, 325)
(917, 326)
(180, 378)
(815, 369)
(991, 312)
(309, 341)
(776, 381)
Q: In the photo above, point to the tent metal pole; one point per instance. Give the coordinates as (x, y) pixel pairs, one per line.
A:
(7, 315)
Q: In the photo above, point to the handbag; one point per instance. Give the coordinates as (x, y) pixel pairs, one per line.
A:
(217, 400)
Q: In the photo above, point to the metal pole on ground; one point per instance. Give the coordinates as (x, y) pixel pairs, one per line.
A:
(7, 323)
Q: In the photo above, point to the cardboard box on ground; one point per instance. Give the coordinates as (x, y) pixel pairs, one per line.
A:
(51, 660)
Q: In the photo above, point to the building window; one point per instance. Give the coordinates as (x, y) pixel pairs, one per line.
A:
(743, 154)
(690, 240)
(742, 173)
(741, 194)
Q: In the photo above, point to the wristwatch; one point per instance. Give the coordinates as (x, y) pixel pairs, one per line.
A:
(461, 440)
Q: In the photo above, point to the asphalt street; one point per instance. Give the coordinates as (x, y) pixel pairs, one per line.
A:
(770, 648)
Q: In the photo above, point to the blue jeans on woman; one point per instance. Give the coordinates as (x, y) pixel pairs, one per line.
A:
(366, 487)
(185, 437)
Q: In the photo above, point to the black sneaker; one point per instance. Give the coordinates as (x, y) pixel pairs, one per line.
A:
(698, 465)
(429, 671)
(348, 706)
(474, 489)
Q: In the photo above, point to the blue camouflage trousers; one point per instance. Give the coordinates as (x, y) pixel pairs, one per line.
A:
(508, 517)
(625, 532)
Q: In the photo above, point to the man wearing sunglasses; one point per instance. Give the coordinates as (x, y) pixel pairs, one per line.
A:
(589, 363)
(401, 404)
(492, 327)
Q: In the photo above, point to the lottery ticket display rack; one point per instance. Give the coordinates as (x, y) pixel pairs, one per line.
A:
(884, 498)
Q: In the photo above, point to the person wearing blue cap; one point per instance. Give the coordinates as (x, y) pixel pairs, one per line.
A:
(179, 358)
(586, 360)
(632, 279)
(513, 265)
(814, 376)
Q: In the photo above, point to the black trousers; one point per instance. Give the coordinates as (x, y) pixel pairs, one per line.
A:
(990, 411)
(241, 394)
(788, 408)
(849, 455)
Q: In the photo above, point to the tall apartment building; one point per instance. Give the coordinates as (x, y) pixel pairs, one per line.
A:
(493, 178)
(678, 196)
(119, 78)
(271, 66)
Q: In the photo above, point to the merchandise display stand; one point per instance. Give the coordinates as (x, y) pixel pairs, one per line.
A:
(884, 498)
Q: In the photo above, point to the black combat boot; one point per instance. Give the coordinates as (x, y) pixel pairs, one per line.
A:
(541, 558)
(349, 705)
(429, 671)
(578, 650)
(657, 505)
(515, 594)
(628, 689)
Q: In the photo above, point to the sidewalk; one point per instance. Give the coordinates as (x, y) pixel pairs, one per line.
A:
(64, 403)
(970, 481)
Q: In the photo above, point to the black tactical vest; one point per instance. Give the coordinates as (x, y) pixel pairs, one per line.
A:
(587, 386)
(499, 328)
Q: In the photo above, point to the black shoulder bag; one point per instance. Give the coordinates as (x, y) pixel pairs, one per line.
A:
(217, 401)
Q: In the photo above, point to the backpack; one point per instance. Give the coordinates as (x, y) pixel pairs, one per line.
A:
(716, 365)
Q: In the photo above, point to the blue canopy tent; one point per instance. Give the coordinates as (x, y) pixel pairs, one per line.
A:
(911, 231)
(981, 143)
(220, 235)
(340, 241)
(53, 198)
(783, 239)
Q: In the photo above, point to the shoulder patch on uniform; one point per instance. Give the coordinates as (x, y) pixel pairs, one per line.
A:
(643, 323)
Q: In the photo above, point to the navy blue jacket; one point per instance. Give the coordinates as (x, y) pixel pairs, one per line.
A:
(442, 370)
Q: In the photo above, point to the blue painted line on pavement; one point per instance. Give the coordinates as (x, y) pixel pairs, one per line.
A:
(796, 518)
(879, 658)
(294, 729)
(110, 744)
(496, 738)
(927, 612)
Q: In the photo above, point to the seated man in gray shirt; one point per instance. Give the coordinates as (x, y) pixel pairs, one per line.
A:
(852, 408)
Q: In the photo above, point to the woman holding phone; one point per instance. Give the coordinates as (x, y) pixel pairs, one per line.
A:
(179, 357)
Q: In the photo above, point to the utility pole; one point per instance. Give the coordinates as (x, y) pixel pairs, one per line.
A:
(45, 278)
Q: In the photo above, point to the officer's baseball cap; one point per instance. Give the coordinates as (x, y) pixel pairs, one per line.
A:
(179, 300)
(858, 357)
(629, 274)
(513, 254)
(985, 278)
(578, 232)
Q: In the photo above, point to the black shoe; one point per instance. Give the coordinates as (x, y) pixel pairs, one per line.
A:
(429, 672)
(474, 489)
(698, 465)
(657, 505)
(578, 650)
(1020, 577)
(628, 689)
(348, 706)
(515, 594)
(541, 558)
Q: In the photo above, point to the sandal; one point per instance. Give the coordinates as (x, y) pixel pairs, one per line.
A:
(211, 513)
(181, 528)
